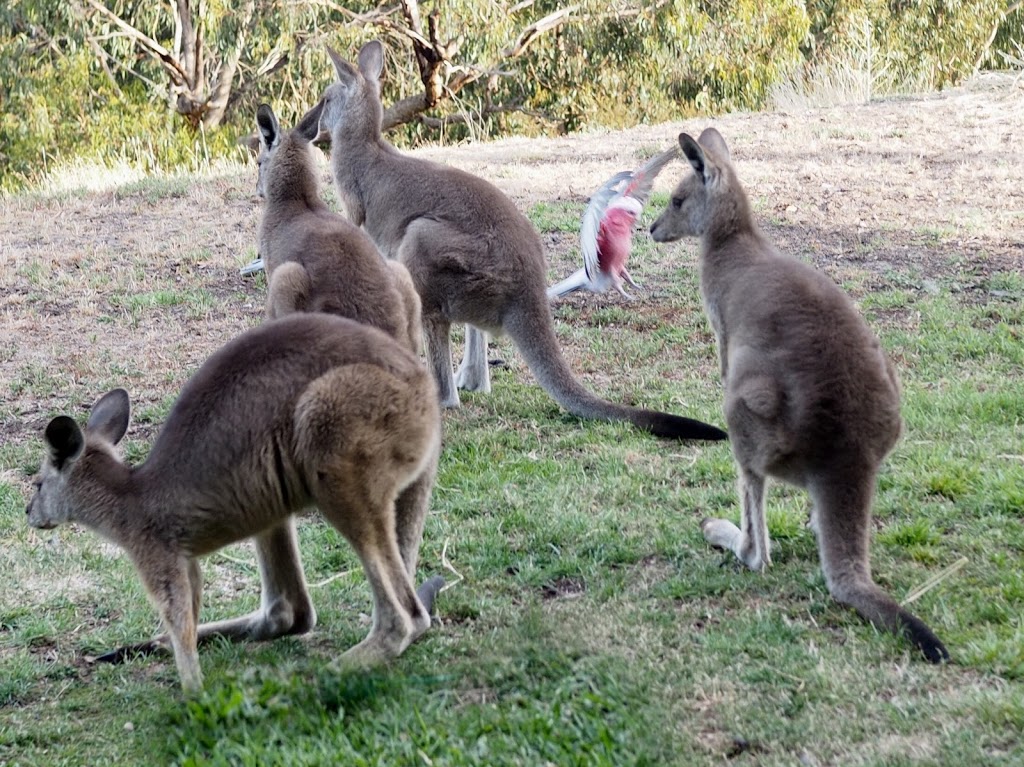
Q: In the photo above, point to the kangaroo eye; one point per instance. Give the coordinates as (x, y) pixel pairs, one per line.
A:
(677, 202)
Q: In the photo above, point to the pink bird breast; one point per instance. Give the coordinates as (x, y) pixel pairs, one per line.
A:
(614, 238)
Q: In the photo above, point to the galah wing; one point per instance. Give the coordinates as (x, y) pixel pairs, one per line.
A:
(636, 184)
(592, 217)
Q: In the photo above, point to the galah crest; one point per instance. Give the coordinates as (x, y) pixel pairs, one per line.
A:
(606, 235)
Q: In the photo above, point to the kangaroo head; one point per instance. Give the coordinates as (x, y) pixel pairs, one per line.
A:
(294, 176)
(351, 105)
(66, 477)
(706, 199)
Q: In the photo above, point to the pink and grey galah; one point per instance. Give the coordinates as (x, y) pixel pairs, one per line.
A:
(606, 236)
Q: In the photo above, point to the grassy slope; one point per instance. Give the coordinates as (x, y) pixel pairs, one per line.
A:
(592, 624)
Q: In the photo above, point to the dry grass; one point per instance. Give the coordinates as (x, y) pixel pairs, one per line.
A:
(931, 182)
(135, 285)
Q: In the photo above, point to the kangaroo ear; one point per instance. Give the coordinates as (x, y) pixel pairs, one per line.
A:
(371, 60)
(693, 152)
(269, 127)
(64, 440)
(712, 140)
(345, 71)
(309, 125)
(110, 416)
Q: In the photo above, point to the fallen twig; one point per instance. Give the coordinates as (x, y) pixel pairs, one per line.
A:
(325, 581)
(448, 566)
(934, 581)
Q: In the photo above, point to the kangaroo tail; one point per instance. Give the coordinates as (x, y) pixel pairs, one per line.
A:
(880, 609)
(534, 334)
(842, 518)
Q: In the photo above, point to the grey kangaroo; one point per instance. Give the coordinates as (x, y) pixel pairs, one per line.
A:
(315, 259)
(810, 396)
(306, 410)
(473, 257)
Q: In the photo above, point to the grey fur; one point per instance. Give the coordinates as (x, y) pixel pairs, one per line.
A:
(810, 396)
(306, 410)
(473, 257)
(316, 260)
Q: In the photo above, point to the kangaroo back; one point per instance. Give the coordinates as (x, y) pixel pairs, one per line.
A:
(316, 260)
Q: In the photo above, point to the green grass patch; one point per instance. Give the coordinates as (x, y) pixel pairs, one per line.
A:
(591, 625)
(556, 217)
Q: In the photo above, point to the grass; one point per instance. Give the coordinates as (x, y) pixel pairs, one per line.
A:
(591, 625)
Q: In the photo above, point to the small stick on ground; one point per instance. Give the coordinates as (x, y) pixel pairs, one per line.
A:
(934, 581)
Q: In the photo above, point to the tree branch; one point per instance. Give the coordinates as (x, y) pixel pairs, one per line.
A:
(537, 28)
(217, 103)
(489, 109)
(102, 56)
(404, 111)
(178, 75)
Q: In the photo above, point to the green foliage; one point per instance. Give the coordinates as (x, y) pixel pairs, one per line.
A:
(73, 86)
(58, 108)
(932, 42)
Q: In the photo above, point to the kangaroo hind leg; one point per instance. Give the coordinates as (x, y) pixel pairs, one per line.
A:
(436, 332)
(410, 514)
(288, 291)
(369, 437)
(749, 542)
(285, 606)
(474, 374)
(842, 522)
(364, 512)
(759, 440)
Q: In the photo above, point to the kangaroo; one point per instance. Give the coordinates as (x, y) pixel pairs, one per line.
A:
(315, 259)
(810, 396)
(473, 257)
(306, 410)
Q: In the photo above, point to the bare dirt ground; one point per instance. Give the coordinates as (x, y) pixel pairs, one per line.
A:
(136, 285)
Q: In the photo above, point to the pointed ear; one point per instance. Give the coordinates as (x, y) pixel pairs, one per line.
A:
(371, 60)
(110, 416)
(64, 440)
(712, 140)
(309, 125)
(270, 129)
(693, 153)
(345, 71)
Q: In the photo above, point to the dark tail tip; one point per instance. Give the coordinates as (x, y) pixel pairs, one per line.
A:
(428, 592)
(677, 427)
(923, 638)
(130, 652)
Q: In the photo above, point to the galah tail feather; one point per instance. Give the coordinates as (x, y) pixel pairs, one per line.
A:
(606, 234)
